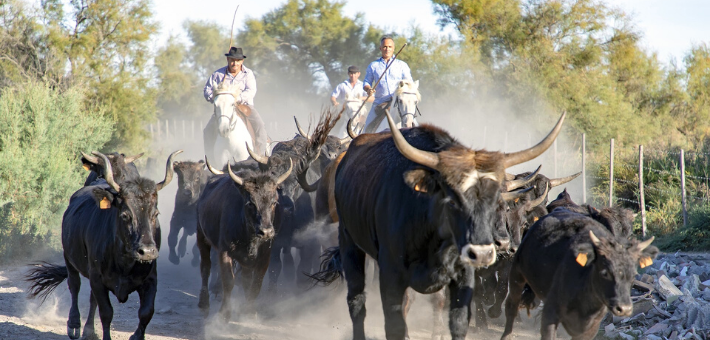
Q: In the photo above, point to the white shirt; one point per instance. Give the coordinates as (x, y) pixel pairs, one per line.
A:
(343, 90)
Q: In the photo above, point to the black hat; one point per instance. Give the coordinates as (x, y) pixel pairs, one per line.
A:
(353, 69)
(235, 53)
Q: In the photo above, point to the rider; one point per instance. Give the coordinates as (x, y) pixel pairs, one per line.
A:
(350, 85)
(236, 74)
(398, 71)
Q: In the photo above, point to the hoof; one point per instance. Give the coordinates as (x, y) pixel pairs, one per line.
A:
(73, 333)
(136, 337)
(90, 336)
(174, 259)
(494, 312)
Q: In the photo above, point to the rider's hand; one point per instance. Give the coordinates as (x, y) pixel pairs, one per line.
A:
(371, 92)
(336, 103)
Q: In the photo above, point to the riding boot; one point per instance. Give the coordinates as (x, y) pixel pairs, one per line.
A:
(209, 137)
(260, 137)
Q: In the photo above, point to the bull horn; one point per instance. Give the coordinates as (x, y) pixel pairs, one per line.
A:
(261, 159)
(132, 158)
(595, 239)
(519, 183)
(90, 158)
(108, 171)
(168, 171)
(211, 169)
(511, 196)
(285, 175)
(509, 177)
(426, 158)
(534, 203)
(234, 177)
(303, 182)
(523, 156)
(643, 245)
(300, 130)
(344, 140)
(559, 181)
(351, 133)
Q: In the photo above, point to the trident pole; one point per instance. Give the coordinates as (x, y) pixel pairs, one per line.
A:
(231, 30)
(378, 80)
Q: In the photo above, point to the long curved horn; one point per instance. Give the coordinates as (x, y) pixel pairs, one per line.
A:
(351, 133)
(168, 171)
(643, 245)
(234, 177)
(509, 177)
(285, 175)
(595, 239)
(534, 203)
(345, 140)
(130, 159)
(211, 169)
(522, 156)
(90, 158)
(108, 171)
(300, 130)
(303, 182)
(510, 196)
(518, 183)
(261, 159)
(559, 181)
(415, 155)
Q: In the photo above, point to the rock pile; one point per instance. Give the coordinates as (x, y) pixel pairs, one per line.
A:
(671, 301)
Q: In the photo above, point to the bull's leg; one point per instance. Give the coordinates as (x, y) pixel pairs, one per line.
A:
(478, 296)
(438, 300)
(255, 278)
(182, 245)
(205, 264)
(225, 271)
(274, 268)
(549, 322)
(74, 282)
(215, 278)
(172, 241)
(100, 293)
(354, 269)
(516, 283)
(460, 292)
(147, 305)
(195, 255)
(309, 262)
(500, 293)
(409, 297)
(393, 294)
(89, 332)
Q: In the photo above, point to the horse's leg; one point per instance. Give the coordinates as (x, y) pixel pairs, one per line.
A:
(209, 137)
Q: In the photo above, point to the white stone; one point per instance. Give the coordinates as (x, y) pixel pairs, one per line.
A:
(667, 289)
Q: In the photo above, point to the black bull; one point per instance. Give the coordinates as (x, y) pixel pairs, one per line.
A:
(111, 235)
(424, 207)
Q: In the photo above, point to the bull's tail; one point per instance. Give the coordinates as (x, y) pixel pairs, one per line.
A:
(45, 278)
(331, 268)
(527, 299)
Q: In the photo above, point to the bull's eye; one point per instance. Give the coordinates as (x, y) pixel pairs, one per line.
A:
(125, 216)
(605, 274)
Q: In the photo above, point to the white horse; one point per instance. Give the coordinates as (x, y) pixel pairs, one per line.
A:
(403, 106)
(233, 135)
(351, 105)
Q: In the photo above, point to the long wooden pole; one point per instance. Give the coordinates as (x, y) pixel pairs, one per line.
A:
(611, 173)
(380, 78)
(231, 30)
(642, 203)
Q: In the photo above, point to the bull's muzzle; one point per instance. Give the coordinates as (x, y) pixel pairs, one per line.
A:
(146, 253)
(503, 244)
(622, 309)
(478, 255)
(265, 233)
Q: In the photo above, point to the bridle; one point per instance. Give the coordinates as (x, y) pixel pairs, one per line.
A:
(398, 105)
(232, 118)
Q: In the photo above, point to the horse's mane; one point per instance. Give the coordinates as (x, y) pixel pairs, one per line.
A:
(407, 85)
(224, 87)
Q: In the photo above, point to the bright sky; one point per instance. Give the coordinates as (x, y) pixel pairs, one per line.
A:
(670, 27)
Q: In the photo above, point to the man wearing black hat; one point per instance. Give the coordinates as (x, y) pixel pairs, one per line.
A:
(351, 85)
(235, 73)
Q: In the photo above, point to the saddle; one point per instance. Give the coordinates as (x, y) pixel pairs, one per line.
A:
(379, 116)
(244, 112)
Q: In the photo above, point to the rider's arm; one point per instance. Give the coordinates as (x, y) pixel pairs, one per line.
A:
(369, 78)
(334, 95)
(207, 92)
(249, 89)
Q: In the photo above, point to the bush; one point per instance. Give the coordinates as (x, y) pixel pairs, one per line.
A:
(42, 131)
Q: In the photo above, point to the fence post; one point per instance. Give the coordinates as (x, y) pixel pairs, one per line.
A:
(175, 129)
(183, 129)
(642, 203)
(157, 125)
(167, 129)
(584, 168)
(611, 173)
(152, 136)
(192, 129)
(682, 187)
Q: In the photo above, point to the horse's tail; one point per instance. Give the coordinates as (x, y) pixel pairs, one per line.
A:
(45, 278)
(331, 268)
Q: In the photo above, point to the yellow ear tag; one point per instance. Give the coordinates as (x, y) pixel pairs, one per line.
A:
(582, 259)
(86, 167)
(535, 219)
(516, 200)
(419, 187)
(104, 204)
(645, 262)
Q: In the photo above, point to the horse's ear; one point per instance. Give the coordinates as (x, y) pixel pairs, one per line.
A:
(401, 83)
(416, 83)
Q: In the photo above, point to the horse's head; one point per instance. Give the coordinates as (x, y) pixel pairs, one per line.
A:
(225, 106)
(406, 98)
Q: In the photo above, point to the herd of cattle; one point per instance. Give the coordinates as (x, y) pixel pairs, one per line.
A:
(437, 218)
